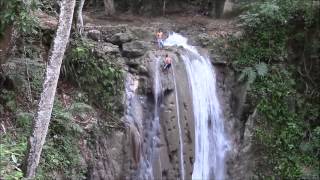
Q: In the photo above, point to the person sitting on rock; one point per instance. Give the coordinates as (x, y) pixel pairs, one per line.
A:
(159, 36)
(167, 62)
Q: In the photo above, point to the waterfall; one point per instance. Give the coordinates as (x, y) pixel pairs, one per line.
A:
(155, 130)
(179, 125)
(211, 144)
(152, 131)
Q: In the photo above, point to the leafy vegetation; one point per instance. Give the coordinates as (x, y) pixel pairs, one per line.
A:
(60, 153)
(12, 153)
(101, 78)
(12, 146)
(18, 13)
(289, 124)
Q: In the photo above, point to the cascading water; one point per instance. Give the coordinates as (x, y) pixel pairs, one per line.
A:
(154, 155)
(211, 144)
(151, 154)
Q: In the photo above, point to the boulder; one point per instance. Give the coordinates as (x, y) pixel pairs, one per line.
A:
(94, 35)
(103, 49)
(46, 22)
(134, 49)
(15, 71)
(143, 33)
(121, 38)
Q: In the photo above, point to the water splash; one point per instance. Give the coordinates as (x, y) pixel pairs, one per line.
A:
(211, 144)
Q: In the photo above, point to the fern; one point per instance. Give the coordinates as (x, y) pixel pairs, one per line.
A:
(63, 116)
(250, 74)
(80, 108)
(262, 69)
(75, 128)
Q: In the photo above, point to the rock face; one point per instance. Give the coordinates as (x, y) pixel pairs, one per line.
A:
(94, 35)
(106, 49)
(15, 70)
(121, 38)
(122, 154)
(140, 120)
(169, 138)
(241, 158)
(134, 49)
(133, 162)
(105, 156)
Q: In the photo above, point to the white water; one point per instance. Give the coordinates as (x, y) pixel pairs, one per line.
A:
(156, 124)
(133, 111)
(179, 124)
(211, 144)
(151, 155)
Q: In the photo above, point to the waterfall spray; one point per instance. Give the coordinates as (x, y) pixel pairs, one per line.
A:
(211, 144)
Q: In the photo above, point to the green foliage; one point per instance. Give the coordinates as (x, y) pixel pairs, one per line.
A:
(48, 6)
(102, 79)
(24, 120)
(278, 13)
(262, 69)
(8, 100)
(12, 155)
(61, 152)
(15, 11)
(281, 131)
(285, 131)
(288, 129)
(251, 73)
(63, 120)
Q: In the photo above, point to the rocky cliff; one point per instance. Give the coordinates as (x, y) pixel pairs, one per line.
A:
(120, 152)
(140, 59)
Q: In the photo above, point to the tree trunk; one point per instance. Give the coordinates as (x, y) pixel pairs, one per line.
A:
(80, 18)
(109, 7)
(42, 118)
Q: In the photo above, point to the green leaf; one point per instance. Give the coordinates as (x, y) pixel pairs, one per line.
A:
(262, 69)
(14, 159)
(252, 75)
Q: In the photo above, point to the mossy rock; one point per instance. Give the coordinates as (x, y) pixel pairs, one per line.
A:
(16, 69)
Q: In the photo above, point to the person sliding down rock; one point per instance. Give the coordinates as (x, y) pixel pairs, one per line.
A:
(159, 36)
(167, 63)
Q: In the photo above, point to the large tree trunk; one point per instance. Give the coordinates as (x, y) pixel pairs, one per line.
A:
(42, 118)
(109, 7)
